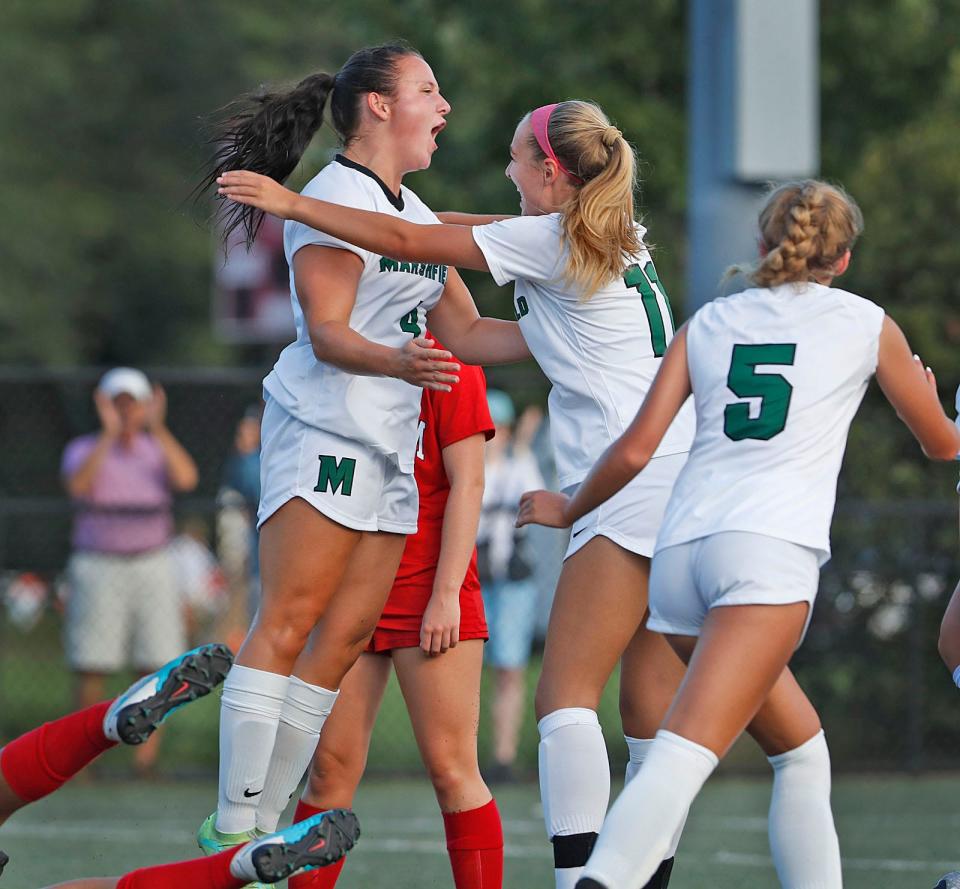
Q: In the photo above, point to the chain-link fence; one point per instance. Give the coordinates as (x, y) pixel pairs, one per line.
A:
(869, 661)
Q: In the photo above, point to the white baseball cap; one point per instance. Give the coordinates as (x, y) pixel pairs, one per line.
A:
(126, 380)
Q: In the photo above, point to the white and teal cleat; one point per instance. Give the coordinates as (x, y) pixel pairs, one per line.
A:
(137, 713)
(316, 842)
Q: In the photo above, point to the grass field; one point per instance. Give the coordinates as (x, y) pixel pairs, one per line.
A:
(895, 833)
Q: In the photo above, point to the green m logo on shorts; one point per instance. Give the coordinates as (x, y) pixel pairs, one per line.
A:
(336, 474)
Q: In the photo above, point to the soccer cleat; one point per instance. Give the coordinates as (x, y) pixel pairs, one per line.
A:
(4, 858)
(212, 841)
(949, 881)
(136, 714)
(316, 842)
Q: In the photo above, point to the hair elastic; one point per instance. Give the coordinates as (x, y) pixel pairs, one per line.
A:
(539, 120)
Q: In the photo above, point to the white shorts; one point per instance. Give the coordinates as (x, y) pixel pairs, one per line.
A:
(348, 482)
(730, 568)
(123, 611)
(632, 517)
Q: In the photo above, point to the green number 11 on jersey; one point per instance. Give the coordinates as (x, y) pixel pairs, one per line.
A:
(647, 283)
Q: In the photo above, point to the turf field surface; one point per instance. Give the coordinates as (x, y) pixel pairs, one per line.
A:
(895, 833)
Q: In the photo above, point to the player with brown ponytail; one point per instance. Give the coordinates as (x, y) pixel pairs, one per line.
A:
(338, 495)
(597, 318)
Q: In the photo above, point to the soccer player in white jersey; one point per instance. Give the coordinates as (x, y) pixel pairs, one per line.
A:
(949, 642)
(777, 373)
(598, 321)
(340, 424)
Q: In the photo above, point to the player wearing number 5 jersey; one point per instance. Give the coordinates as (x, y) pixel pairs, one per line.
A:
(339, 431)
(777, 373)
(597, 319)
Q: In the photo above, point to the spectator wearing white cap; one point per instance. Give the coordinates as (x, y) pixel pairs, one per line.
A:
(124, 607)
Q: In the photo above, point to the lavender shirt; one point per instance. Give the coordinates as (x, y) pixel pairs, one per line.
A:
(128, 508)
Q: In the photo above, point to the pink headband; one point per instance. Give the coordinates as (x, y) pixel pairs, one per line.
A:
(539, 120)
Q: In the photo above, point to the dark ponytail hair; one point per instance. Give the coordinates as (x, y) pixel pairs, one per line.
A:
(268, 132)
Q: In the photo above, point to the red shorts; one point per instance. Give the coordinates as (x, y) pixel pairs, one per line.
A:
(399, 625)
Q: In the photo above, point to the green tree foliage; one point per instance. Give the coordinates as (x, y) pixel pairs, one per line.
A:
(104, 259)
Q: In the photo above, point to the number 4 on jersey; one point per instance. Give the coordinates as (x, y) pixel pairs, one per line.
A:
(645, 280)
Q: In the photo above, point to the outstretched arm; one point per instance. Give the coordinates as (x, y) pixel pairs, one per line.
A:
(452, 217)
(621, 462)
(912, 390)
(377, 232)
(474, 340)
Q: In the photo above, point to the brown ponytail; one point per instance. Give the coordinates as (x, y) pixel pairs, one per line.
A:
(268, 132)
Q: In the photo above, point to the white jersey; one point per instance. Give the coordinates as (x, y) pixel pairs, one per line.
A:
(600, 355)
(777, 377)
(957, 404)
(392, 300)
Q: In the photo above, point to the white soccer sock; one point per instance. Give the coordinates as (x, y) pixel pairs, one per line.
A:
(249, 712)
(803, 839)
(574, 787)
(641, 824)
(639, 747)
(304, 712)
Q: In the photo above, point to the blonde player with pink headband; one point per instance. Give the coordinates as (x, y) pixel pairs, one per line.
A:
(597, 319)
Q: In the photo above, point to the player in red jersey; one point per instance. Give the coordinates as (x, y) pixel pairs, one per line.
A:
(37, 763)
(432, 631)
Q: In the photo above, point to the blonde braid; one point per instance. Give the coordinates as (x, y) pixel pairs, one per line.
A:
(805, 227)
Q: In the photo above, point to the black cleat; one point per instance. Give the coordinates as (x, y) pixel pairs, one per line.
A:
(4, 858)
(137, 713)
(316, 842)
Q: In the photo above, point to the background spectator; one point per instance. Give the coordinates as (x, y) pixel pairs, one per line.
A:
(506, 564)
(237, 538)
(124, 606)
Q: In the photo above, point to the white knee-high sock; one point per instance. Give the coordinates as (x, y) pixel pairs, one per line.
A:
(641, 824)
(304, 712)
(639, 747)
(574, 787)
(249, 713)
(803, 839)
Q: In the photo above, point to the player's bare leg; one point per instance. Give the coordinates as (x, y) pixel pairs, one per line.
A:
(949, 642)
(317, 842)
(303, 558)
(736, 663)
(443, 698)
(341, 754)
(600, 601)
(335, 644)
(342, 632)
(650, 674)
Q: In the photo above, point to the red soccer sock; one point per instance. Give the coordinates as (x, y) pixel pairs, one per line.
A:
(37, 763)
(209, 873)
(321, 877)
(475, 844)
